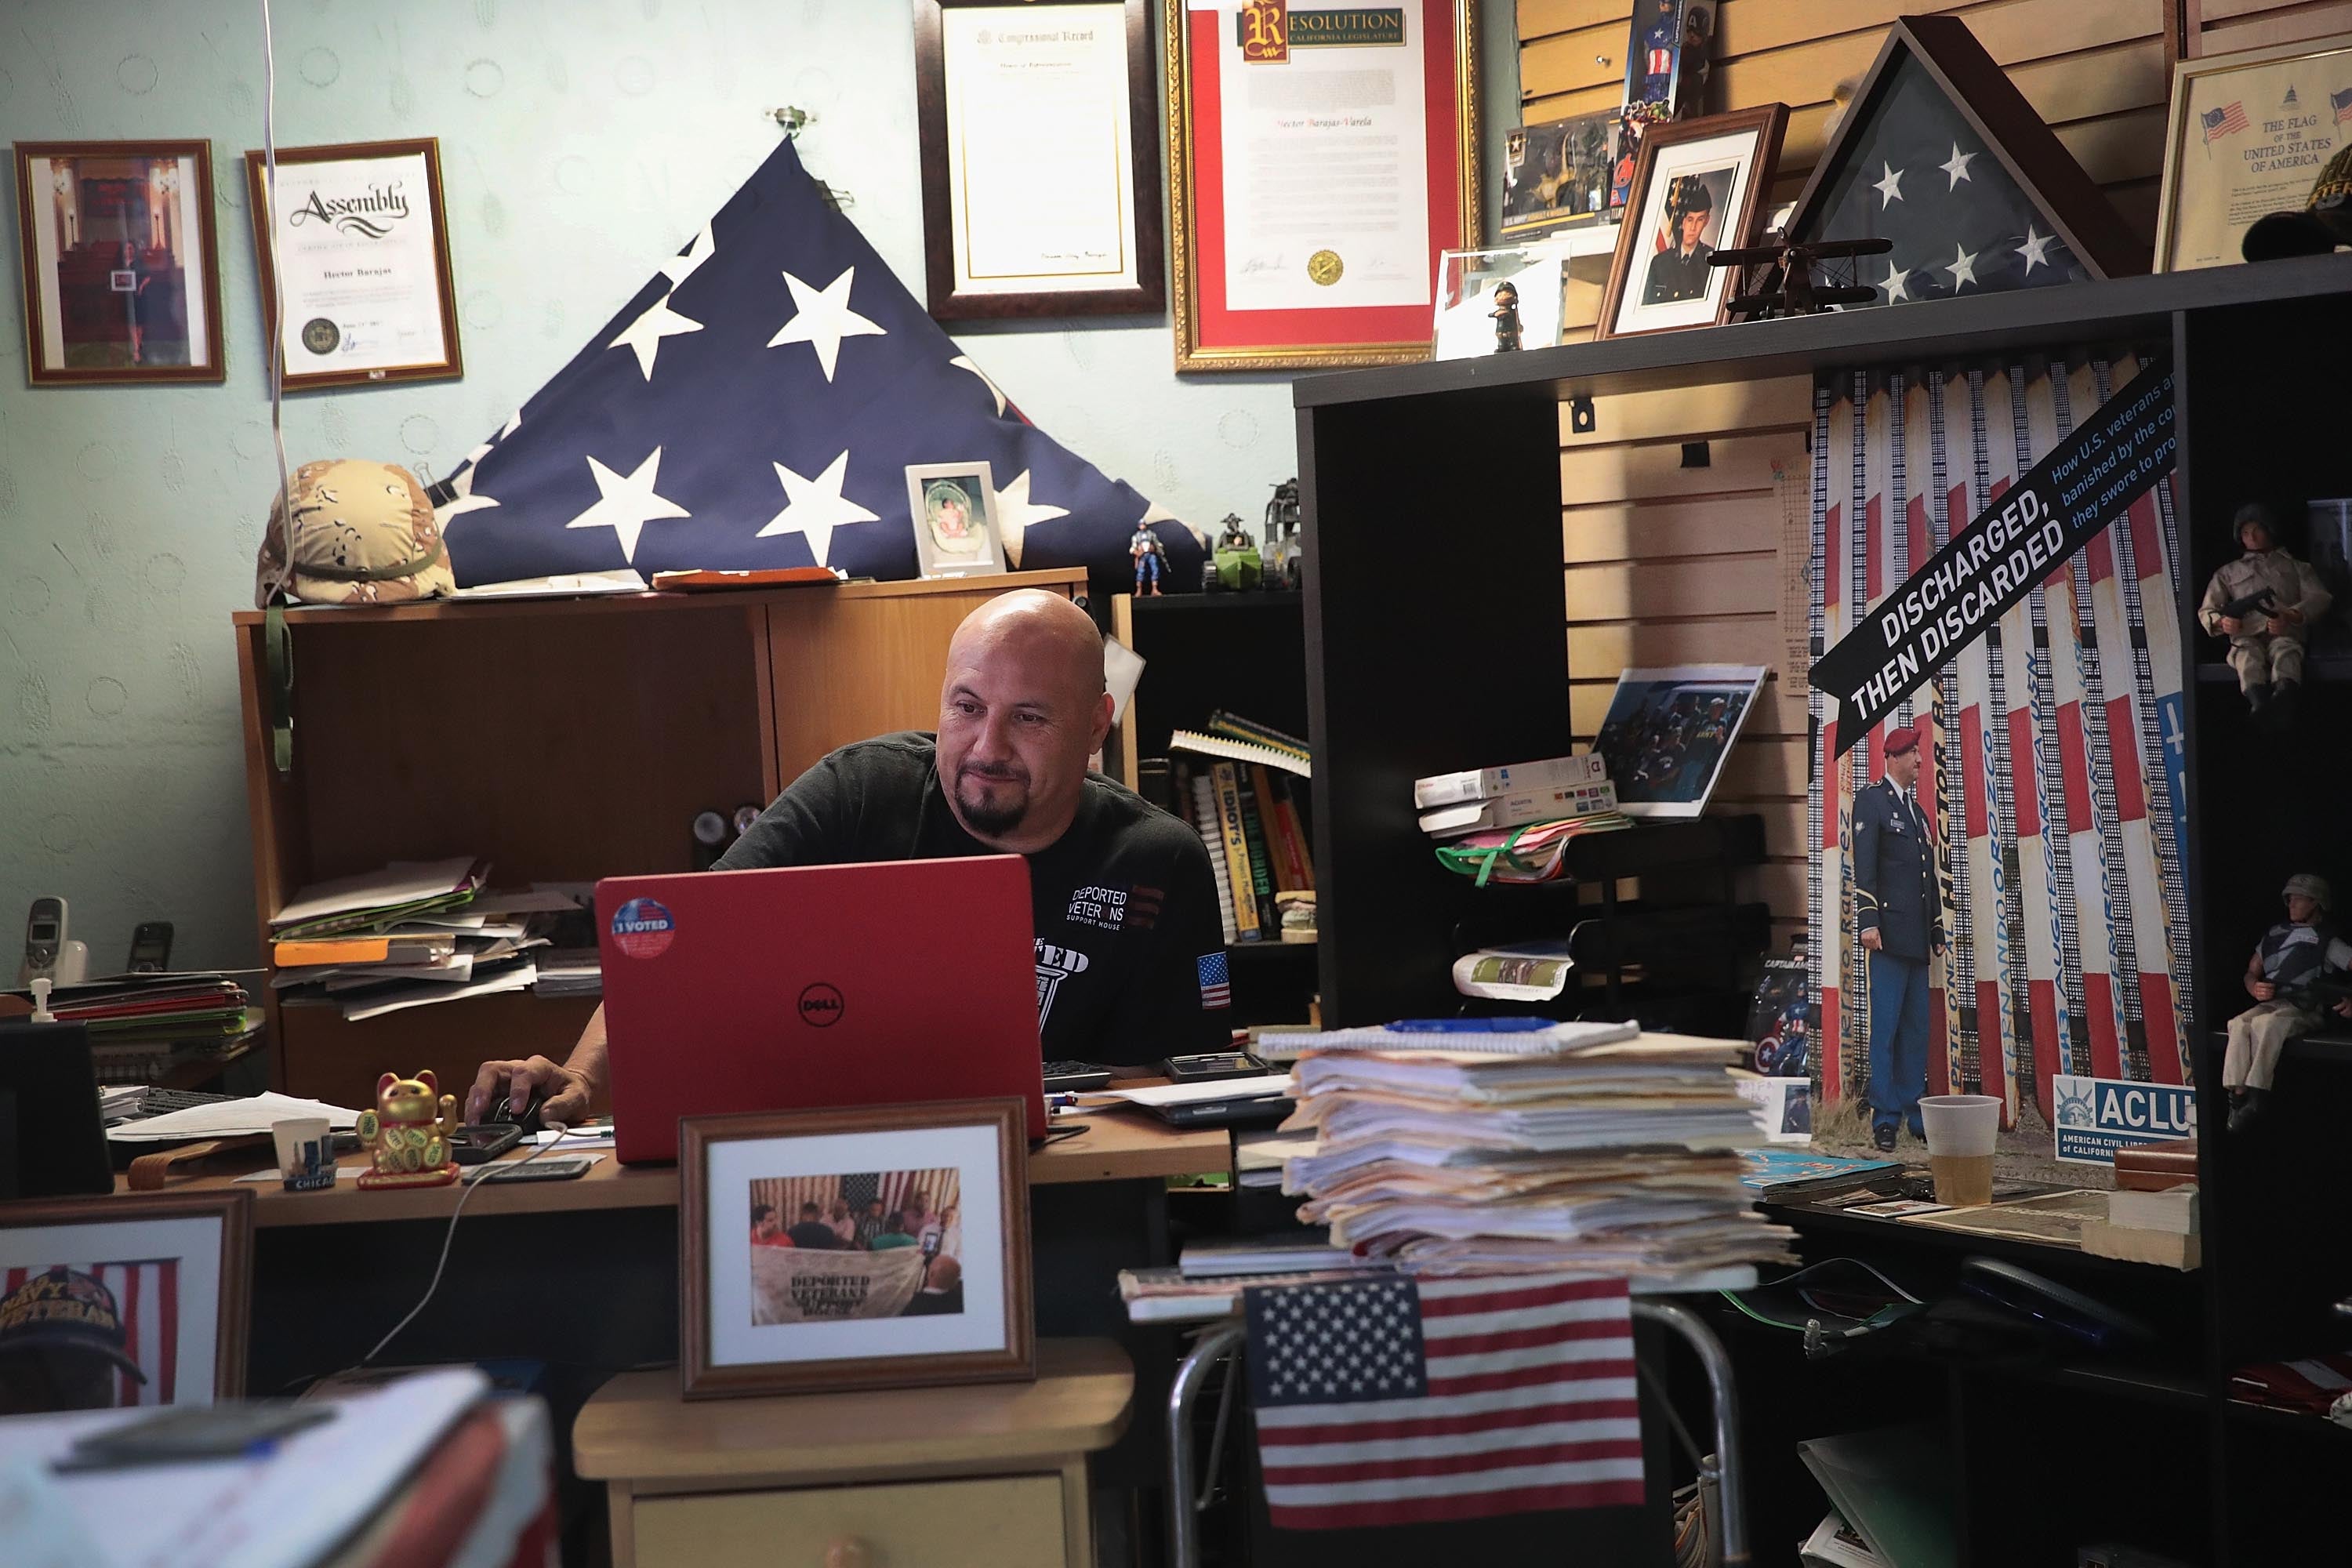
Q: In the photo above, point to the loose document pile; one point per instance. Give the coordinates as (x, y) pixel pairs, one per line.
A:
(1514, 823)
(420, 932)
(1526, 1144)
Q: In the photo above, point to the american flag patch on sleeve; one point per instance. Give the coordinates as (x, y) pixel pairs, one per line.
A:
(1216, 981)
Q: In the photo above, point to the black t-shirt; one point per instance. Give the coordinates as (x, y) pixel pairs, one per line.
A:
(816, 1235)
(1130, 951)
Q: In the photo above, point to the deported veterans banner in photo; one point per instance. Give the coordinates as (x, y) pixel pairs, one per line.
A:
(2029, 532)
(797, 1285)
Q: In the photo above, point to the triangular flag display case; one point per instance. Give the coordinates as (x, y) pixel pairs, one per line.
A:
(1941, 155)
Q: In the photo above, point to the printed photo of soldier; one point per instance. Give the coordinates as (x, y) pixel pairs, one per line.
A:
(1668, 731)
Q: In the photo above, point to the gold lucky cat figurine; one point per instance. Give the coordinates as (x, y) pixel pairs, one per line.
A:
(408, 1133)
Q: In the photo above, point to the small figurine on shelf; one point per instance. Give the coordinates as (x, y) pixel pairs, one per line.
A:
(408, 1133)
(2264, 603)
(1151, 559)
(2283, 978)
(1506, 318)
(1283, 559)
(1236, 563)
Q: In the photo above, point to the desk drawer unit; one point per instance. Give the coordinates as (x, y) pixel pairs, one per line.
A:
(1005, 1521)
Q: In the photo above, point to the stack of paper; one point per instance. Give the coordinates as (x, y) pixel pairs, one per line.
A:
(1515, 823)
(141, 1026)
(417, 933)
(1545, 1147)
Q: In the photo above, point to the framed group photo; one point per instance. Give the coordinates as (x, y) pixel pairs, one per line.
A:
(362, 249)
(1041, 164)
(868, 1247)
(1698, 188)
(2248, 135)
(118, 1303)
(1320, 160)
(121, 273)
(1669, 732)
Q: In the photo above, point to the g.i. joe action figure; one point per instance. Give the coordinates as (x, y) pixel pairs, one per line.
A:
(1150, 556)
(2280, 977)
(2264, 603)
(1506, 318)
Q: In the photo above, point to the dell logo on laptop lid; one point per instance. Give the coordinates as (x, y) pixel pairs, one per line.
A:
(820, 1005)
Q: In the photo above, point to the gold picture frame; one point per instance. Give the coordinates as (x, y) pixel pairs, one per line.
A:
(1206, 337)
(2264, 70)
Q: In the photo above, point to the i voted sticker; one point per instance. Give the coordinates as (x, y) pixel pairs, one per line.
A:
(643, 927)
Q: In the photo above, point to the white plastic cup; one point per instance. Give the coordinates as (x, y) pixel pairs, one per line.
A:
(1961, 1132)
(306, 1153)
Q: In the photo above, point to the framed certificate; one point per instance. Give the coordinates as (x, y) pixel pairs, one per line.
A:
(1040, 177)
(2248, 136)
(1321, 160)
(361, 249)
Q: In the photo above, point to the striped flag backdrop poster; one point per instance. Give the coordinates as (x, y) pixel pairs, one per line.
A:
(1395, 1401)
(2048, 744)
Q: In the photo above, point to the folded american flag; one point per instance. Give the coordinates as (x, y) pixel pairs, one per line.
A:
(1394, 1401)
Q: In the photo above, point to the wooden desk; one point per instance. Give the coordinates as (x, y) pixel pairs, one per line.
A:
(985, 1476)
(1117, 1146)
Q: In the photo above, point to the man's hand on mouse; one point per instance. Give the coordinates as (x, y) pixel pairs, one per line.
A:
(568, 1092)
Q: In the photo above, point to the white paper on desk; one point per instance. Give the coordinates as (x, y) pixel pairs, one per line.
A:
(1197, 1093)
(403, 882)
(290, 1508)
(425, 993)
(228, 1119)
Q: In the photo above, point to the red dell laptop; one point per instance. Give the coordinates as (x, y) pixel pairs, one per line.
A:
(816, 986)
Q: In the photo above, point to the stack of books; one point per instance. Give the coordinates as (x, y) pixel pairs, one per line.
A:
(1245, 787)
(1480, 1145)
(141, 1026)
(1211, 1276)
(416, 934)
(2147, 1227)
(1514, 824)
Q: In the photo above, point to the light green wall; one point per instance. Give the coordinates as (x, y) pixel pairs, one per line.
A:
(582, 140)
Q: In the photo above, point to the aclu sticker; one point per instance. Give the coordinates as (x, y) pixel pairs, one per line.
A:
(642, 928)
(2096, 1116)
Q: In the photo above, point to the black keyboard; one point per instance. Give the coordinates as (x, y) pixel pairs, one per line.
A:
(163, 1101)
(1065, 1077)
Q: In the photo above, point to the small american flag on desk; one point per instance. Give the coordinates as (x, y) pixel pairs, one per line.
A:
(1394, 1400)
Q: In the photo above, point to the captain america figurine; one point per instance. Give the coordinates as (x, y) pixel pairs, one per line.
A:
(1900, 918)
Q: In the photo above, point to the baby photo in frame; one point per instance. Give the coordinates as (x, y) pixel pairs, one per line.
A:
(954, 508)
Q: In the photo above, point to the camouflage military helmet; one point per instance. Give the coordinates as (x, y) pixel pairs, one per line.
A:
(361, 532)
(2310, 887)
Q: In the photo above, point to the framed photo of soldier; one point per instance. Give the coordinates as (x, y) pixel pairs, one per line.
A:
(121, 1302)
(361, 249)
(1698, 188)
(869, 1247)
(121, 273)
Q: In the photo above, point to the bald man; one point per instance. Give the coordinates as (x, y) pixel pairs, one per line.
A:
(1122, 901)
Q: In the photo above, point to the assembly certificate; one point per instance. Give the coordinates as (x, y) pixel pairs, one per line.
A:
(1041, 175)
(362, 262)
(2251, 141)
(1326, 157)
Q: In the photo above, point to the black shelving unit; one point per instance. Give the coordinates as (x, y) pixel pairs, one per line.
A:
(1415, 672)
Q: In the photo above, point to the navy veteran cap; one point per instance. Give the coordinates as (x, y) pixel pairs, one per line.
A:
(2325, 222)
(64, 1308)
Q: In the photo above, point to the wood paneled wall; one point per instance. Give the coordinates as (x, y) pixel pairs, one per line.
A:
(1667, 564)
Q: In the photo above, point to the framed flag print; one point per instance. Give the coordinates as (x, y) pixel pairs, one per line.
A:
(1320, 162)
(2248, 135)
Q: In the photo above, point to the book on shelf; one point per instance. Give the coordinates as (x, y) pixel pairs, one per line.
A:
(1487, 783)
(2165, 1248)
(1225, 783)
(1224, 721)
(1228, 749)
(1293, 860)
(2173, 1209)
(1563, 803)
(1196, 788)
(1263, 885)
(1893, 1485)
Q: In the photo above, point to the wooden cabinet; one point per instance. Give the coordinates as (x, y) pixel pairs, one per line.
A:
(564, 740)
(982, 1476)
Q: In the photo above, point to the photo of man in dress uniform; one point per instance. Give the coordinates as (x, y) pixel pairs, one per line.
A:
(1900, 919)
(1680, 271)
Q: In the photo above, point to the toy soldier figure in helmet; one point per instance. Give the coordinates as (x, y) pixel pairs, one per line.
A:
(1900, 916)
(2280, 978)
(2264, 603)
